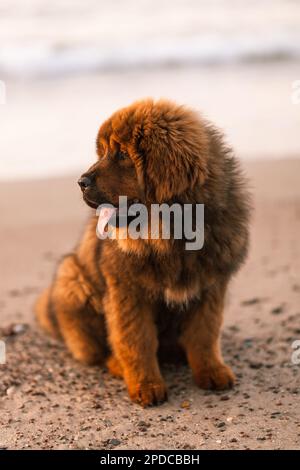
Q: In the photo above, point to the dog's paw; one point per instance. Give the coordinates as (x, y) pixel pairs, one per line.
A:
(148, 393)
(216, 377)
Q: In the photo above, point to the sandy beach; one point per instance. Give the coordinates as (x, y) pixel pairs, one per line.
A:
(64, 68)
(47, 400)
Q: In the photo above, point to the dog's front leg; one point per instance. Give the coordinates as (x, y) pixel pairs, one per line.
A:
(201, 340)
(133, 339)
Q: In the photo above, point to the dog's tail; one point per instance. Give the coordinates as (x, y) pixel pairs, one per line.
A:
(45, 313)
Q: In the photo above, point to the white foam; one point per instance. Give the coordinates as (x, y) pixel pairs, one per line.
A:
(38, 38)
(42, 60)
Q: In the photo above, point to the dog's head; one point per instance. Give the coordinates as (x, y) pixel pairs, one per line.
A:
(151, 152)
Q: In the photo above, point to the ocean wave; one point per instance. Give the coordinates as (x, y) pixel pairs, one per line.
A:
(53, 60)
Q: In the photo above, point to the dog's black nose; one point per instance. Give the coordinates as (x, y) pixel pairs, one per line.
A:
(84, 182)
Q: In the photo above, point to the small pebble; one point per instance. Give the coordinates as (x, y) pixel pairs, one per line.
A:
(19, 328)
(185, 404)
(277, 310)
(114, 442)
(10, 391)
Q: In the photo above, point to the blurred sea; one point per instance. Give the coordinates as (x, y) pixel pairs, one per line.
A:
(68, 64)
(42, 38)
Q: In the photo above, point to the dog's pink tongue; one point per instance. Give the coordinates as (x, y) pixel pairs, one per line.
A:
(104, 215)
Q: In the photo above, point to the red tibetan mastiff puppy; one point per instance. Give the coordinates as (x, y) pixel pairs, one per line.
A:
(130, 303)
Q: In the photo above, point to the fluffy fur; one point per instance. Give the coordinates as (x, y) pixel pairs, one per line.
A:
(130, 303)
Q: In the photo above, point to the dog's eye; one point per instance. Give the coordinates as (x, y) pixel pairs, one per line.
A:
(122, 156)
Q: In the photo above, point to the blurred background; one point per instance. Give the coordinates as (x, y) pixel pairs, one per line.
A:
(67, 64)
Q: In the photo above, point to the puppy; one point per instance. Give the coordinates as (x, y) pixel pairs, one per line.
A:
(128, 302)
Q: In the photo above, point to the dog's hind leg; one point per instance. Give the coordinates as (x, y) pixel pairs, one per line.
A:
(77, 313)
(45, 313)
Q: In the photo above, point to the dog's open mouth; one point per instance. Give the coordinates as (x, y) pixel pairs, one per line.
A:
(105, 215)
(91, 203)
(110, 214)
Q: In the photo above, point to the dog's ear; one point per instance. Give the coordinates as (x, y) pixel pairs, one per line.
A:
(170, 163)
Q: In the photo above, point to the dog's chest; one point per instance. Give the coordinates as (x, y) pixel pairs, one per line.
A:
(182, 295)
(181, 281)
